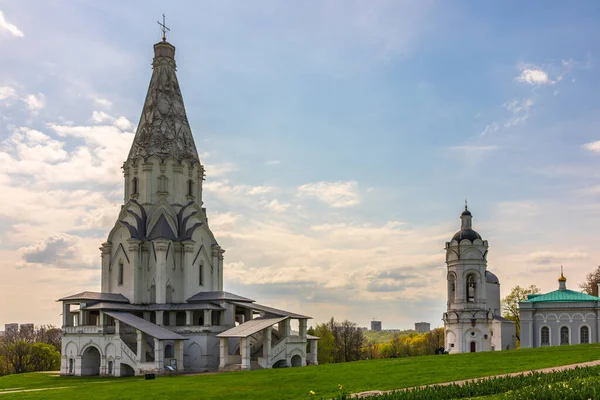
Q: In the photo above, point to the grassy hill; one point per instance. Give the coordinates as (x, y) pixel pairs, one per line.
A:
(295, 383)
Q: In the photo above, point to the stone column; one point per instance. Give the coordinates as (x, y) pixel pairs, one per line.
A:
(191, 280)
(146, 184)
(189, 318)
(314, 360)
(207, 317)
(267, 339)
(101, 319)
(224, 352)
(159, 317)
(147, 315)
(245, 352)
(141, 346)
(67, 321)
(215, 268)
(172, 318)
(161, 246)
(179, 354)
(302, 327)
(117, 327)
(159, 361)
(247, 315)
(136, 270)
(220, 269)
(105, 250)
(78, 361)
(179, 185)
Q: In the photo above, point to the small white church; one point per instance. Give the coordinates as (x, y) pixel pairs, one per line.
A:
(162, 306)
(473, 320)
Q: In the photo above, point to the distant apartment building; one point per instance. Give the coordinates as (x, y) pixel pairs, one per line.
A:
(422, 327)
(376, 326)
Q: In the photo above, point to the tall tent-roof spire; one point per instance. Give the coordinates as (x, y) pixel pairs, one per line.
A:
(163, 129)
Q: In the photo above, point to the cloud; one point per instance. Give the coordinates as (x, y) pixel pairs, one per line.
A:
(6, 92)
(491, 128)
(103, 102)
(273, 162)
(35, 103)
(122, 123)
(534, 76)
(7, 27)
(593, 146)
(551, 257)
(519, 110)
(59, 251)
(276, 206)
(335, 194)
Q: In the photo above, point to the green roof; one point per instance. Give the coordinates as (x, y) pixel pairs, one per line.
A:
(560, 295)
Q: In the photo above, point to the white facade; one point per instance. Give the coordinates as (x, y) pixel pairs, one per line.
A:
(473, 321)
(561, 317)
(162, 302)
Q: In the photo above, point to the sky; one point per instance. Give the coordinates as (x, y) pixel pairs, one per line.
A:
(340, 140)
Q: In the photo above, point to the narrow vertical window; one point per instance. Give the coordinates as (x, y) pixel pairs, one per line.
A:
(190, 187)
(200, 275)
(120, 273)
(585, 334)
(545, 336)
(564, 335)
(135, 186)
(471, 286)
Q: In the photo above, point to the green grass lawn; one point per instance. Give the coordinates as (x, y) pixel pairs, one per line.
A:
(295, 383)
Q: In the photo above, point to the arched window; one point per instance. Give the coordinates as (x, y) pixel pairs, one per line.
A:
(471, 288)
(168, 351)
(152, 294)
(169, 294)
(71, 365)
(451, 287)
(545, 336)
(110, 368)
(201, 275)
(564, 335)
(120, 273)
(584, 334)
(162, 184)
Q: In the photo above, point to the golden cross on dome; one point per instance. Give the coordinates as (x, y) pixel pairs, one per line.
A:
(164, 28)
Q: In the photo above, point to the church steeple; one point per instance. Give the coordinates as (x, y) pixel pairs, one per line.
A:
(163, 129)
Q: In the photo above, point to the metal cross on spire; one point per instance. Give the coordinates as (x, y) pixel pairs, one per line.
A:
(466, 205)
(164, 28)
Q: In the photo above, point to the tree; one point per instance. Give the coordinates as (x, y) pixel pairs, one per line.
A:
(590, 286)
(510, 304)
(30, 349)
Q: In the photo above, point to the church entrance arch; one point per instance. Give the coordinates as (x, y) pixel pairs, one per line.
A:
(473, 347)
(296, 361)
(90, 362)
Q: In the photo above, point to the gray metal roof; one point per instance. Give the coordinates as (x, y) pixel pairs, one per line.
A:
(214, 296)
(271, 310)
(147, 327)
(250, 328)
(96, 296)
(154, 307)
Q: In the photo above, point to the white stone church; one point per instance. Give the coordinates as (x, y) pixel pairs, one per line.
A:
(473, 321)
(162, 303)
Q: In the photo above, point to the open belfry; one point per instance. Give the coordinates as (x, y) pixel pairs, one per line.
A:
(162, 306)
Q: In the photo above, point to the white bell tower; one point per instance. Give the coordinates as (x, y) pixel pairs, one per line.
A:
(468, 317)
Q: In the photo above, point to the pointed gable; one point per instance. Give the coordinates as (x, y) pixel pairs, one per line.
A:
(163, 130)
